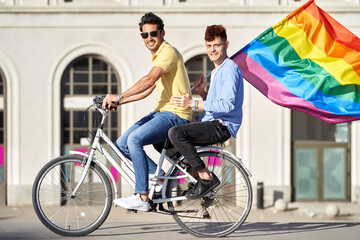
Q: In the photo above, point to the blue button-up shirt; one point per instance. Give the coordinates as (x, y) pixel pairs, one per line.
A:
(225, 97)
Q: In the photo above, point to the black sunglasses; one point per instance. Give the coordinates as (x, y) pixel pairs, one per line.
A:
(145, 35)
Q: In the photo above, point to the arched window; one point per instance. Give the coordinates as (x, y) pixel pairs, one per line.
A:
(84, 78)
(2, 141)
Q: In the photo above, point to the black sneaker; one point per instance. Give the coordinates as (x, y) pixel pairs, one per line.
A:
(191, 185)
(202, 187)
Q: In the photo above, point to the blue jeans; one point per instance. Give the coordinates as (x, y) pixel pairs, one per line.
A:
(151, 129)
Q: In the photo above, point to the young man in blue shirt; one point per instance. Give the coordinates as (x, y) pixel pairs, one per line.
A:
(222, 114)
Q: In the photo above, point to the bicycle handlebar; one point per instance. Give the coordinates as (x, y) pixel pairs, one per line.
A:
(98, 101)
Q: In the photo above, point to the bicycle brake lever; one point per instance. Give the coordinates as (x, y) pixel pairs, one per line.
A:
(112, 108)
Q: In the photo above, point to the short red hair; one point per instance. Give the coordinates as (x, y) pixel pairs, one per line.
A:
(214, 31)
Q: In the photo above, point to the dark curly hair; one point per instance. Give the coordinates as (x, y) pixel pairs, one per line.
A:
(151, 18)
(214, 31)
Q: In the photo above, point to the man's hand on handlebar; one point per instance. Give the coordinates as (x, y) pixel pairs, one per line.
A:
(110, 102)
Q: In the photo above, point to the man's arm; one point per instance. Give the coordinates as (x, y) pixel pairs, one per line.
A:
(226, 97)
(145, 82)
(225, 101)
(199, 85)
(185, 101)
(139, 96)
(140, 88)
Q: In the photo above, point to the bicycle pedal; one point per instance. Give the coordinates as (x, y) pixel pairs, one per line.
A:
(153, 207)
(206, 215)
(161, 207)
(132, 210)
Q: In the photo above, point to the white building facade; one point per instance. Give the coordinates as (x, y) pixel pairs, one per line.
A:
(56, 54)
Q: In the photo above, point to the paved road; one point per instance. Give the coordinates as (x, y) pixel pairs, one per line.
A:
(304, 221)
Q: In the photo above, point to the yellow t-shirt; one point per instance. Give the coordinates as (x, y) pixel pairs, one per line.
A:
(173, 83)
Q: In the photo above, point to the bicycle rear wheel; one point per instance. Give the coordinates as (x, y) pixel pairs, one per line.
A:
(220, 212)
(60, 212)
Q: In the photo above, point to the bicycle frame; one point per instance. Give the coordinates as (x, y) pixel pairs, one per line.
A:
(96, 146)
(73, 194)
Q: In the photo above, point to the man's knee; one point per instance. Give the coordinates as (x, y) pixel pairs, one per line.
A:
(122, 146)
(176, 134)
(173, 133)
(134, 140)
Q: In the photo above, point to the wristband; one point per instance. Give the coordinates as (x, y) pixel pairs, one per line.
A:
(120, 97)
(196, 104)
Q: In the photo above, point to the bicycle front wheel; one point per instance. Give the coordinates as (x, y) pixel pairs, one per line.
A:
(58, 210)
(223, 210)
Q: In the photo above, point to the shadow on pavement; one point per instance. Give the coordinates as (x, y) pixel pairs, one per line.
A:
(5, 218)
(246, 230)
(274, 228)
(128, 229)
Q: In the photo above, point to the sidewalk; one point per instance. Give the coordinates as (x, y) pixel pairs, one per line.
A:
(300, 221)
(312, 212)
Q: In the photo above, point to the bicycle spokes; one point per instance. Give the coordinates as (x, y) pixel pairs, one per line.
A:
(222, 210)
(66, 214)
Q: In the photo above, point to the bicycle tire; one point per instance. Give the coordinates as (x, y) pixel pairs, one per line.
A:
(54, 206)
(222, 213)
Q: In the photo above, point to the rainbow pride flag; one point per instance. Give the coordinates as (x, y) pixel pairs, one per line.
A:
(308, 62)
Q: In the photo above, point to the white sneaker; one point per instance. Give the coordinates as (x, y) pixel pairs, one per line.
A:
(133, 202)
(159, 185)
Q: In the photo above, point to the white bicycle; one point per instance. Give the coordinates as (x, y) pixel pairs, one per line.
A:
(72, 195)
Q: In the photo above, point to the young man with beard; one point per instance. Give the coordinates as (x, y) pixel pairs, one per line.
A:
(169, 77)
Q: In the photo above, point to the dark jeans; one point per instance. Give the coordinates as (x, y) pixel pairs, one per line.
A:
(185, 137)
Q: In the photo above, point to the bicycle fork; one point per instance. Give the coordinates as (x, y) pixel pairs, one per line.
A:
(87, 166)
